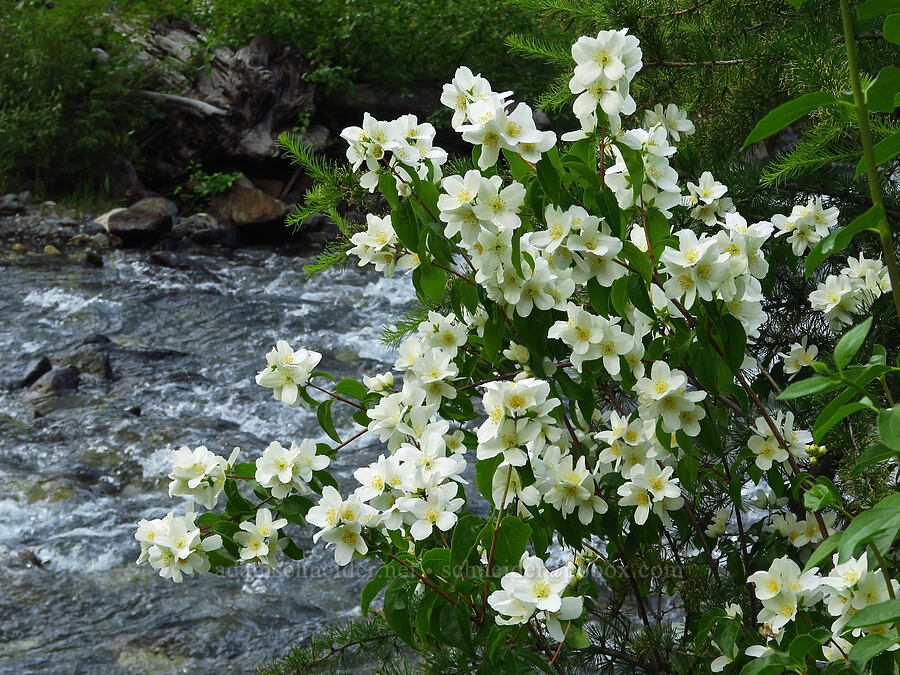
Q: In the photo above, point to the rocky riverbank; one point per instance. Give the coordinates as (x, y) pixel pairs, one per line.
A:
(242, 217)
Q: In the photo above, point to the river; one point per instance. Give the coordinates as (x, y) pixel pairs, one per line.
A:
(76, 478)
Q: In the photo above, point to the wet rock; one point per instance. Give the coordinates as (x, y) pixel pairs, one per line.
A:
(50, 249)
(167, 259)
(56, 382)
(317, 137)
(134, 410)
(91, 359)
(10, 203)
(141, 222)
(93, 259)
(188, 228)
(244, 203)
(27, 372)
(96, 339)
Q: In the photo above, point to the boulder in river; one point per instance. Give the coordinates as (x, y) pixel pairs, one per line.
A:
(91, 359)
(56, 382)
(244, 203)
(26, 372)
(141, 222)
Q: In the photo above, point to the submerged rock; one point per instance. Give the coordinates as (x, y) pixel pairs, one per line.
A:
(27, 372)
(91, 359)
(56, 382)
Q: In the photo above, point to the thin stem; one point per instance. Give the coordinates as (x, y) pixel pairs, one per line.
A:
(425, 580)
(351, 439)
(337, 397)
(884, 569)
(490, 561)
(865, 137)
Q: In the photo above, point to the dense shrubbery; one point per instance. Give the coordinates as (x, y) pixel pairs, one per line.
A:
(646, 493)
(65, 108)
(64, 104)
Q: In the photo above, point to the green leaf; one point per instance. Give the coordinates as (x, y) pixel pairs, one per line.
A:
(637, 293)
(771, 664)
(598, 296)
(883, 517)
(388, 187)
(804, 644)
(323, 415)
(404, 223)
(484, 475)
(889, 427)
(873, 455)
(292, 551)
(432, 280)
(884, 150)
(735, 342)
(891, 28)
(576, 638)
(634, 161)
(796, 3)
(880, 94)
(788, 113)
(825, 426)
(246, 469)
(236, 501)
(837, 240)
(512, 537)
(823, 551)
(869, 647)
(872, 8)
(436, 563)
(465, 534)
(352, 388)
(887, 611)
(424, 612)
(821, 495)
(398, 609)
(850, 343)
(812, 385)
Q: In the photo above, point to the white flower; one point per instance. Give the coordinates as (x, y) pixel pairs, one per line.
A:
(347, 540)
(282, 470)
(673, 119)
(286, 371)
(437, 510)
(799, 356)
(259, 541)
(174, 546)
(199, 474)
(570, 608)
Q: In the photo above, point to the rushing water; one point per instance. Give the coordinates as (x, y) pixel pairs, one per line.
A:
(75, 480)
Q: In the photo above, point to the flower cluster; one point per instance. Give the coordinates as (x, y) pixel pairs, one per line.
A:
(536, 592)
(287, 371)
(199, 474)
(769, 449)
(806, 225)
(378, 245)
(285, 470)
(483, 118)
(410, 144)
(850, 587)
(842, 296)
(605, 66)
(799, 356)
(175, 545)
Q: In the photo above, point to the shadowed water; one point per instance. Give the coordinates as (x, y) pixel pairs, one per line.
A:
(75, 480)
